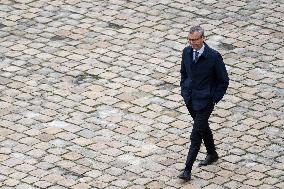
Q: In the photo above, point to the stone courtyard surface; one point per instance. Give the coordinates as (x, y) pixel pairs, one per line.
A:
(90, 94)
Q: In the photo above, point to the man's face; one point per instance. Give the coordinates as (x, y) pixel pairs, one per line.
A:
(195, 40)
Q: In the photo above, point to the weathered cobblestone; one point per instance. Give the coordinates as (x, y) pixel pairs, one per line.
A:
(90, 94)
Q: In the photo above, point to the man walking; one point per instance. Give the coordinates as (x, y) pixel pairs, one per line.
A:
(204, 81)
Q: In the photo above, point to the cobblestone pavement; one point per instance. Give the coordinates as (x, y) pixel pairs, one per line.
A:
(90, 94)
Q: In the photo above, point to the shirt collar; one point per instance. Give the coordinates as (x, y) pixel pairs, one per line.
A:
(204, 47)
(201, 50)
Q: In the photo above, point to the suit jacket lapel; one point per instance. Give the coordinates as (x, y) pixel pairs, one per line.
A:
(189, 63)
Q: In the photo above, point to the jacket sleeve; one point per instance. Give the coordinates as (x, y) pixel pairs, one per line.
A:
(182, 70)
(222, 79)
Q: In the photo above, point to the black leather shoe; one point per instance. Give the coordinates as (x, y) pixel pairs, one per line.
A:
(185, 175)
(210, 158)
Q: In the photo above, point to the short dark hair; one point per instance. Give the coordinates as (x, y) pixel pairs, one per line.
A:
(198, 29)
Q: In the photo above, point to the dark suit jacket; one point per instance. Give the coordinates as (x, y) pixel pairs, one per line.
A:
(205, 81)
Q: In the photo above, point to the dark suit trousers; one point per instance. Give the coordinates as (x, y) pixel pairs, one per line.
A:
(201, 131)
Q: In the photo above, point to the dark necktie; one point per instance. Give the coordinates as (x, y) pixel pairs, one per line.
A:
(195, 56)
